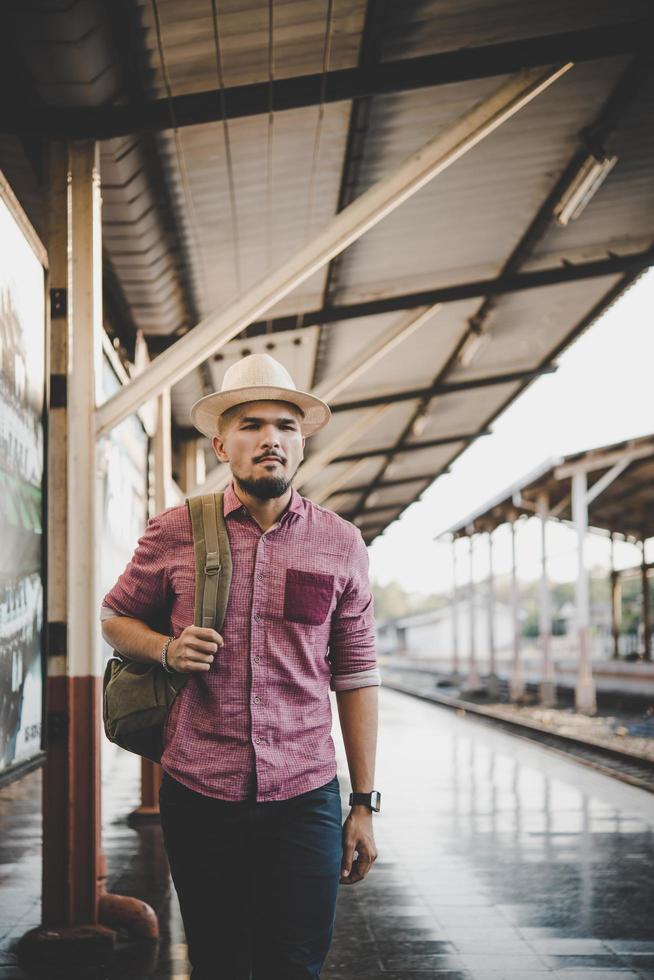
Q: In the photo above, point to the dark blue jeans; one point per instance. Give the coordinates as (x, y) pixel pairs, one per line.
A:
(256, 882)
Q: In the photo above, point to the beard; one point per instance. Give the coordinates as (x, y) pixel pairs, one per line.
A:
(265, 487)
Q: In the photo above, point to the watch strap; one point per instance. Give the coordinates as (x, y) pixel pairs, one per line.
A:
(372, 800)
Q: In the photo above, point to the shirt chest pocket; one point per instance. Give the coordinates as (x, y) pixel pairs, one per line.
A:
(307, 596)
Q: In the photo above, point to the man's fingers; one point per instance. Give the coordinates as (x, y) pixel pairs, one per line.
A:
(202, 646)
(193, 666)
(360, 869)
(346, 860)
(206, 634)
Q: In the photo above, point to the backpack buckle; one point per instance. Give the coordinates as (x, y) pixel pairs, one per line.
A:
(212, 565)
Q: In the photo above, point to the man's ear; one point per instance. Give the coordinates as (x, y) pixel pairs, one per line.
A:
(219, 449)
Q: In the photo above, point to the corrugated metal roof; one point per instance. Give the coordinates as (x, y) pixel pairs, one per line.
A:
(625, 506)
(183, 242)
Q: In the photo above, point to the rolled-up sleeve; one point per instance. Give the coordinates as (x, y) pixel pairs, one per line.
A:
(352, 652)
(142, 591)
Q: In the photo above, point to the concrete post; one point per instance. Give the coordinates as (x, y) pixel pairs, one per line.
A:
(517, 680)
(647, 624)
(73, 866)
(74, 900)
(548, 680)
(456, 672)
(585, 698)
(192, 467)
(493, 684)
(472, 681)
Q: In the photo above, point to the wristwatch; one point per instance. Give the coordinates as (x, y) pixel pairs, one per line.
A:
(373, 800)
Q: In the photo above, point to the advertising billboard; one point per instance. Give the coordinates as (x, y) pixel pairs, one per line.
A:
(22, 388)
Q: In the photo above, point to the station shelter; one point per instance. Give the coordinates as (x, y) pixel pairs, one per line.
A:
(606, 490)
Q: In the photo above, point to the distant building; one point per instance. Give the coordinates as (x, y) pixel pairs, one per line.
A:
(430, 634)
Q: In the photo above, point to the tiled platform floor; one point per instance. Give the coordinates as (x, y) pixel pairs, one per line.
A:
(497, 859)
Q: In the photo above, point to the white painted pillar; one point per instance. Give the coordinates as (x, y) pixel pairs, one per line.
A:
(616, 604)
(548, 680)
(472, 681)
(191, 464)
(517, 680)
(493, 684)
(162, 452)
(585, 698)
(84, 363)
(456, 675)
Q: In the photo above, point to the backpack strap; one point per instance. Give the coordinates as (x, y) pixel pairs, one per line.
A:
(213, 561)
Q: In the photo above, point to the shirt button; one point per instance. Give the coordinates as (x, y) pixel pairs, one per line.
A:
(256, 700)
(258, 740)
(257, 659)
(257, 618)
(259, 575)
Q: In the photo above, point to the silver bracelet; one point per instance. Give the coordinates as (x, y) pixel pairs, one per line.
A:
(164, 655)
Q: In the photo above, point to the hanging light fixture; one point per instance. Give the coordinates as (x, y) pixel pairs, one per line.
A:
(589, 178)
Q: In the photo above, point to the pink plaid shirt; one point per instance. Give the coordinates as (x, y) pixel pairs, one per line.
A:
(299, 620)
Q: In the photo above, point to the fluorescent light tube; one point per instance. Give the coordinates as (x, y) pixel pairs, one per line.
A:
(590, 177)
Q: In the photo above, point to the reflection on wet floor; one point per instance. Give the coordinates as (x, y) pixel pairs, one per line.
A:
(497, 859)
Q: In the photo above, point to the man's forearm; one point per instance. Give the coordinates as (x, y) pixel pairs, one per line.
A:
(133, 639)
(357, 712)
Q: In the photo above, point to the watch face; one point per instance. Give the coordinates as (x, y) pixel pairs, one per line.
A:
(375, 800)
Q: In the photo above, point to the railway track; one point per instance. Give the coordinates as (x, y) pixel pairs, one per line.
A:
(611, 762)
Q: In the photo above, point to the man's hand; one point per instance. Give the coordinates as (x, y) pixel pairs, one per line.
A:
(357, 836)
(194, 649)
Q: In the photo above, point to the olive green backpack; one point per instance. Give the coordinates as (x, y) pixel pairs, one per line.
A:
(136, 697)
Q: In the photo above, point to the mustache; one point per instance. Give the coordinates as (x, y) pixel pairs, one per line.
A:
(257, 459)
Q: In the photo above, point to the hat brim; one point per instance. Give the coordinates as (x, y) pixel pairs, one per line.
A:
(206, 412)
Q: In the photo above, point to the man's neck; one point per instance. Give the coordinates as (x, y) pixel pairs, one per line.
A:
(265, 512)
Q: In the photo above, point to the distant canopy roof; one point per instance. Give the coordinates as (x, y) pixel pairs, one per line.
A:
(623, 504)
(228, 141)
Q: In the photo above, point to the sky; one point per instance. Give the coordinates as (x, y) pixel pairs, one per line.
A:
(601, 393)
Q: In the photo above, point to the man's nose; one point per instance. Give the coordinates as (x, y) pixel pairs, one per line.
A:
(270, 435)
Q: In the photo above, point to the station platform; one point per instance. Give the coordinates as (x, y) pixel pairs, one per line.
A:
(496, 859)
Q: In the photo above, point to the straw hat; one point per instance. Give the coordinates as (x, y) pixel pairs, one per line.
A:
(258, 377)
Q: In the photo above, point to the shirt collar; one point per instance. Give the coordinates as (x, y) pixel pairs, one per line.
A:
(232, 503)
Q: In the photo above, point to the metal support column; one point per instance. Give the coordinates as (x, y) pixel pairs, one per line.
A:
(647, 622)
(472, 681)
(493, 684)
(75, 904)
(616, 603)
(456, 673)
(517, 680)
(585, 698)
(548, 680)
(192, 467)
(73, 866)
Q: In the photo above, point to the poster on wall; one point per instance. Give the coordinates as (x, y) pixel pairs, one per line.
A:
(22, 387)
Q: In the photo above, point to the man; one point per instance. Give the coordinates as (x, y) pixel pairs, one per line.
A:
(250, 801)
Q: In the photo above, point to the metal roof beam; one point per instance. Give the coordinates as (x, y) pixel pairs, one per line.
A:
(374, 485)
(104, 122)
(444, 388)
(409, 447)
(477, 289)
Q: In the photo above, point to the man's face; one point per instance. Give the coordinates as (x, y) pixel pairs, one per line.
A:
(263, 445)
